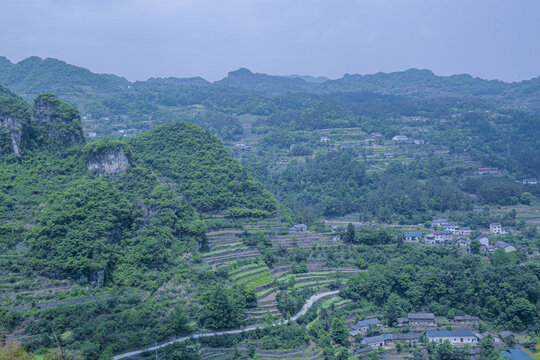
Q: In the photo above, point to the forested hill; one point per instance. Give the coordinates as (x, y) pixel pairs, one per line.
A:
(34, 75)
(111, 211)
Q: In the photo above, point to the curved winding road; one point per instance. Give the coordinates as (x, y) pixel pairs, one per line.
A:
(304, 310)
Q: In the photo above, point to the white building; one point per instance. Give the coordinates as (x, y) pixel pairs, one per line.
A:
(400, 138)
(455, 337)
(495, 228)
(450, 227)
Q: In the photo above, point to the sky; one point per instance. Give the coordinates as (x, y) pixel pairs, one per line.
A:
(138, 39)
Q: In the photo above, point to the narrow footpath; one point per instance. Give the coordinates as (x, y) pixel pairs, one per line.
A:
(309, 303)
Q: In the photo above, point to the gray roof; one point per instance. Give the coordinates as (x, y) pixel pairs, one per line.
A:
(450, 333)
(466, 318)
(500, 245)
(505, 334)
(421, 315)
(407, 336)
(367, 322)
(412, 234)
(376, 339)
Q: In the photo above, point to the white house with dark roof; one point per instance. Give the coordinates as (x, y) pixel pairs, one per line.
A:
(455, 336)
(421, 318)
(450, 227)
(502, 246)
(463, 231)
(439, 222)
(377, 341)
(362, 326)
(400, 138)
(530, 182)
(466, 319)
(412, 236)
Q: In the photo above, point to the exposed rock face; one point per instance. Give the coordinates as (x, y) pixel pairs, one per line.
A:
(112, 161)
(11, 128)
(60, 122)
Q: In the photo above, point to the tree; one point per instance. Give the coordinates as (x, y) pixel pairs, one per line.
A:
(475, 246)
(349, 234)
(339, 331)
(394, 308)
(178, 320)
(220, 311)
(487, 351)
(527, 198)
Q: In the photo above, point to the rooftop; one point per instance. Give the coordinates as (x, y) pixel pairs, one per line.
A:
(421, 315)
(363, 323)
(450, 333)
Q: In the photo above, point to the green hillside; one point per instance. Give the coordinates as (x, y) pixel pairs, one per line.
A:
(202, 169)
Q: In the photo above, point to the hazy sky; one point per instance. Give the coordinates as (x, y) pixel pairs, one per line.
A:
(140, 39)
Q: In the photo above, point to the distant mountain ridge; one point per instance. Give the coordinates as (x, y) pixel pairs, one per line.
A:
(78, 85)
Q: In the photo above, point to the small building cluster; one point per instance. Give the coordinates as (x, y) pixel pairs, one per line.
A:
(449, 235)
(422, 324)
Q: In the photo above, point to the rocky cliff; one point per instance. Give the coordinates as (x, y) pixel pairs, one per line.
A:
(14, 119)
(11, 129)
(108, 157)
(59, 122)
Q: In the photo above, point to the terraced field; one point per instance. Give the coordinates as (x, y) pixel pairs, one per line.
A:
(304, 240)
(225, 246)
(317, 280)
(258, 278)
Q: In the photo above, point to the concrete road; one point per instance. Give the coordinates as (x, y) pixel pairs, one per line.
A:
(309, 303)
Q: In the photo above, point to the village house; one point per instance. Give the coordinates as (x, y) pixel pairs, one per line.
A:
(463, 231)
(298, 228)
(429, 239)
(376, 134)
(376, 341)
(241, 145)
(362, 326)
(506, 335)
(503, 246)
(455, 336)
(412, 236)
(421, 318)
(460, 242)
(324, 139)
(400, 138)
(530, 182)
(450, 227)
(438, 222)
(466, 319)
(496, 341)
(484, 240)
(402, 322)
(487, 170)
(495, 228)
(438, 237)
(404, 337)
(419, 141)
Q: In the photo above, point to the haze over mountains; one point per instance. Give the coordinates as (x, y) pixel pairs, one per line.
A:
(34, 75)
